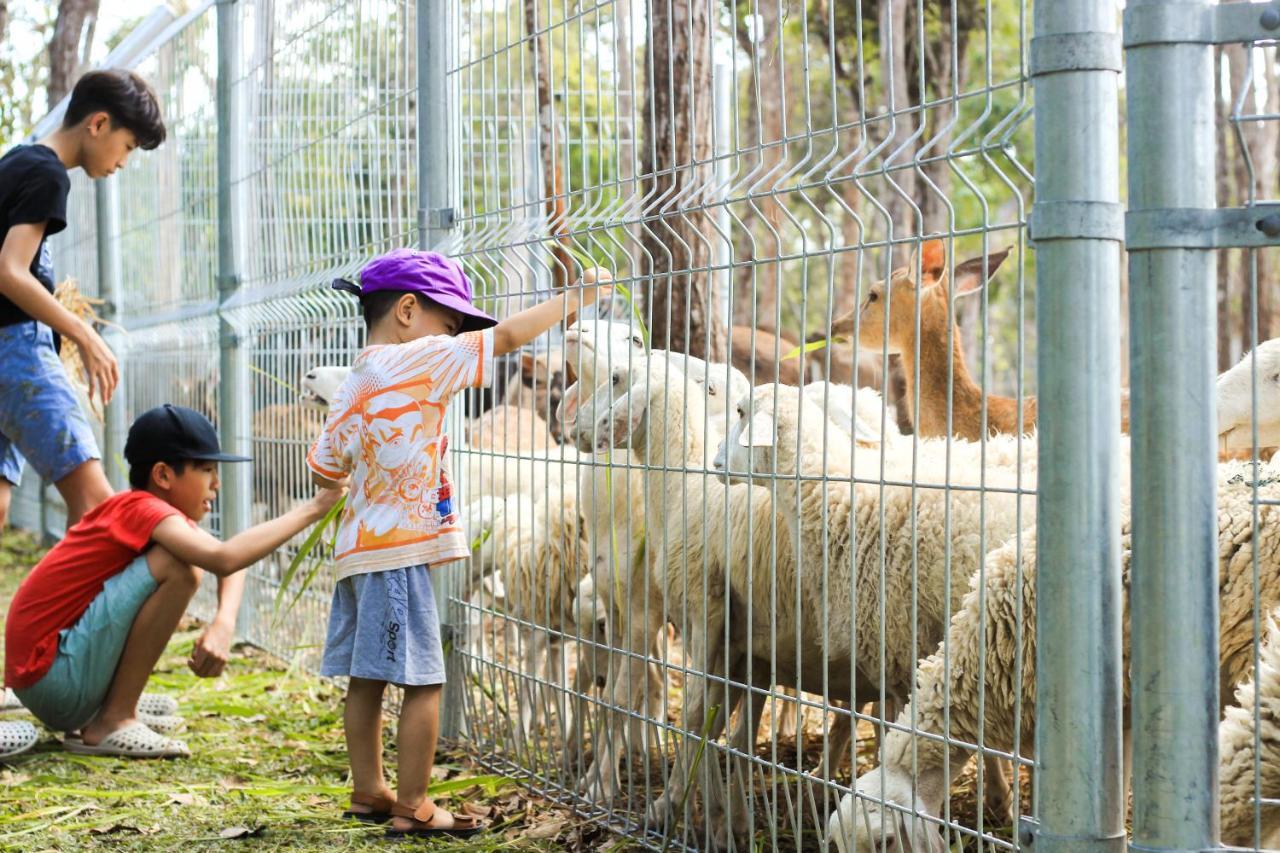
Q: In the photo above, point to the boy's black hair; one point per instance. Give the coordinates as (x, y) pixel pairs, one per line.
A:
(140, 475)
(378, 304)
(123, 95)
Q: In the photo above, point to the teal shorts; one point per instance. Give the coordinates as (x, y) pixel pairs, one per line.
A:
(73, 689)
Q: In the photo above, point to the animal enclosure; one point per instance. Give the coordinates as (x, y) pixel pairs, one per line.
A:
(784, 544)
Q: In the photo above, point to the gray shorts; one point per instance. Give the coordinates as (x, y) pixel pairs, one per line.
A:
(384, 626)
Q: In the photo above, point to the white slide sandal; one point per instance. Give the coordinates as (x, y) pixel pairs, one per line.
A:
(165, 725)
(157, 705)
(16, 737)
(133, 741)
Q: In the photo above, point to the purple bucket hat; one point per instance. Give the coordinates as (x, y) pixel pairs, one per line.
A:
(435, 276)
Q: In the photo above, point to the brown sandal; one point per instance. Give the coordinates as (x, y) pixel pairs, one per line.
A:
(464, 826)
(380, 807)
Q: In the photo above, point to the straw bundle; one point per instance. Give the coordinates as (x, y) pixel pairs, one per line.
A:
(86, 308)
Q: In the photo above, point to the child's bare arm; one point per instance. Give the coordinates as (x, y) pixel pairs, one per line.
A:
(199, 548)
(518, 329)
(25, 290)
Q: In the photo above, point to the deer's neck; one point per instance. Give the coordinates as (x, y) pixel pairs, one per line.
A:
(935, 363)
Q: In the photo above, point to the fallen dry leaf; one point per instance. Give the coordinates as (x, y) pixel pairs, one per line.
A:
(241, 832)
(547, 830)
(112, 828)
(182, 799)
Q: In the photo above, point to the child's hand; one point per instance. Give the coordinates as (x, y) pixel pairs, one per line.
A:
(586, 291)
(325, 499)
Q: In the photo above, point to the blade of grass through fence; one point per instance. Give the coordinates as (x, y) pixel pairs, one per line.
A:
(693, 771)
(584, 260)
(304, 551)
(275, 379)
(809, 347)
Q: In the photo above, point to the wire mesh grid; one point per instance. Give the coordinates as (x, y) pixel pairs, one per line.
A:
(748, 172)
(1248, 107)
(699, 602)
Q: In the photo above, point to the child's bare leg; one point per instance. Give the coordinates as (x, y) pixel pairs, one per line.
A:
(6, 496)
(419, 728)
(362, 722)
(83, 489)
(155, 623)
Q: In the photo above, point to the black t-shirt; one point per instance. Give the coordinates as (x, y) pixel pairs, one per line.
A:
(33, 188)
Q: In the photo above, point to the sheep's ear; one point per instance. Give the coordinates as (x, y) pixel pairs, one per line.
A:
(759, 432)
(528, 366)
(969, 275)
(568, 408)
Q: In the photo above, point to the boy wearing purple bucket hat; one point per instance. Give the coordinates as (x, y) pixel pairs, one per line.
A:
(384, 436)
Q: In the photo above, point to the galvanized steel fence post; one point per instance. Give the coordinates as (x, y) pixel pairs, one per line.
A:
(107, 204)
(436, 199)
(1077, 226)
(234, 388)
(1173, 422)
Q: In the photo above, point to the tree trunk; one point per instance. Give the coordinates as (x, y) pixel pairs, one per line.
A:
(676, 167)
(624, 60)
(553, 185)
(4, 19)
(64, 47)
(771, 108)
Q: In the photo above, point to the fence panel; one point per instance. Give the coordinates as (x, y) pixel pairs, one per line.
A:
(730, 587)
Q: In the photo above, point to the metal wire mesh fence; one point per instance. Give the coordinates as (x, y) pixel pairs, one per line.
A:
(771, 548)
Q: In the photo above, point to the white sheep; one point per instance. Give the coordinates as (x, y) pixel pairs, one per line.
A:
(320, 385)
(538, 549)
(948, 692)
(611, 486)
(1235, 400)
(510, 429)
(914, 548)
(699, 536)
(1238, 740)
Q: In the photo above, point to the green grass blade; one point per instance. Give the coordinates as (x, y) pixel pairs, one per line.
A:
(635, 312)
(809, 347)
(308, 545)
(275, 379)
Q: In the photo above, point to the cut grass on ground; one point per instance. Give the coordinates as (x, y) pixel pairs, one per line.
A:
(267, 772)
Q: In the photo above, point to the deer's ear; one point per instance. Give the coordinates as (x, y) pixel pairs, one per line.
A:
(933, 262)
(969, 275)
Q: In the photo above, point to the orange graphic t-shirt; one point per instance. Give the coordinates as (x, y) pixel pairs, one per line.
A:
(385, 431)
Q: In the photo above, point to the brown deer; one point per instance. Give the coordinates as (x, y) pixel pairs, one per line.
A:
(929, 352)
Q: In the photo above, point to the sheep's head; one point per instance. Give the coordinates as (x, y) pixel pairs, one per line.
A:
(591, 610)
(581, 416)
(321, 384)
(1235, 399)
(539, 384)
(862, 822)
(629, 395)
(753, 434)
(594, 346)
(721, 383)
(898, 298)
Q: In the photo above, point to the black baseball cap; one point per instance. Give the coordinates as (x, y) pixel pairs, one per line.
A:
(172, 432)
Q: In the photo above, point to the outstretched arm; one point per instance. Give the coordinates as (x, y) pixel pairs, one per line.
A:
(518, 329)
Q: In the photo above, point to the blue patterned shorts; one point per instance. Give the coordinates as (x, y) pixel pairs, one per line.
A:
(384, 626)
(40, 416)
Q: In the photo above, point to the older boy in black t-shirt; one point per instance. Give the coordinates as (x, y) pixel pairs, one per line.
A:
(110, 114)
